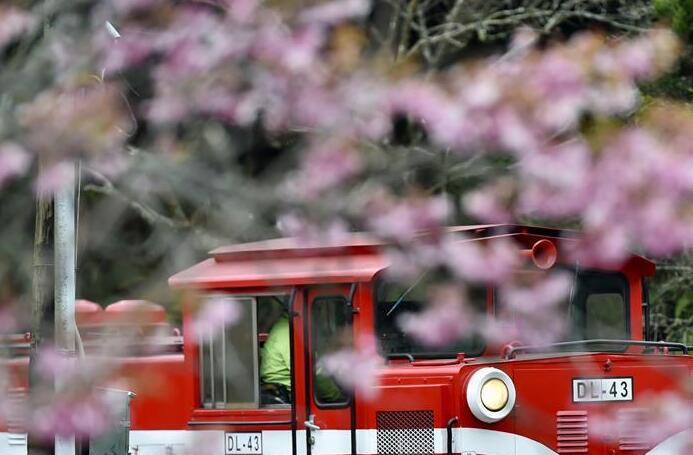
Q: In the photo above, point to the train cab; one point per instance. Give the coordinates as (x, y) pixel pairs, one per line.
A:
(471, 396)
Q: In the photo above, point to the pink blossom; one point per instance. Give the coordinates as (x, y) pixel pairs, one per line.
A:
(403, 221)
(492, 262)
(79, 121)
(432, 107)
(672, 410)
(355, 369)
(531, 313)
(14, 161)
(557, 180)
(533, 329)
(8, 318)
(13, 23)
(132, 48)
(214, 315)
(541, 296)
(85, 415)
(445, 319)
(54, 178)
(52, 363)
(493, 202)
(331, 232)
(243, 11)
(325, 167)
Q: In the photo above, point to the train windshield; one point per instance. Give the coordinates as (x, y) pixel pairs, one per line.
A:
(597, 309)
(395, 301)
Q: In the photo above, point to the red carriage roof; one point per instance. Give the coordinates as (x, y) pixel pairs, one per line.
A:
(290, 261)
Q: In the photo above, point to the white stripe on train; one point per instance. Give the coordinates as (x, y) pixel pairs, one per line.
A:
(467, 441)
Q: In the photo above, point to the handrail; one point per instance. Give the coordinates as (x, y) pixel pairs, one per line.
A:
(512, 352)
(448, 428)
(400, 355)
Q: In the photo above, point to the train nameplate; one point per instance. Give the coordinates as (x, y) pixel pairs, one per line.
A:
(602, 389)
(244, 443)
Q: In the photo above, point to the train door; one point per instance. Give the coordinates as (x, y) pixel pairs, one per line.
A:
(327, 329)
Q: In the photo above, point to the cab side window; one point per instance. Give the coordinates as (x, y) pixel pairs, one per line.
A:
(232, 361)
(331, 332)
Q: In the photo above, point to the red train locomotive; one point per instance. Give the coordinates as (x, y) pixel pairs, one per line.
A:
(205, 394)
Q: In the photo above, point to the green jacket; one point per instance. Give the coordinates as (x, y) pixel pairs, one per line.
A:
(275, 367)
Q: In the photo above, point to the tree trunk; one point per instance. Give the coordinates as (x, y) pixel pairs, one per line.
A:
(42, 311)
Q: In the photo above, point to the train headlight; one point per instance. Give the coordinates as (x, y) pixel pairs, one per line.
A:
(490, 394)
(494, 394)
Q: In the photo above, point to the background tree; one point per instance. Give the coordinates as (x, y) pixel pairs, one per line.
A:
(202, 123)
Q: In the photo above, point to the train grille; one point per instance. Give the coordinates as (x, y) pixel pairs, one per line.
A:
(631, 423)
(571, 432)
(405, 432)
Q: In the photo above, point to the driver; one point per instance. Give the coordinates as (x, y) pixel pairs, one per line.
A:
(275, 365)
(275, 368)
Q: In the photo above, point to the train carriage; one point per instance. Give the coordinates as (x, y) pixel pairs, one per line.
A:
(204, 392)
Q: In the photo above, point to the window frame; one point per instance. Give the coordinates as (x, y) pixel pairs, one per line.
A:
(200, 346)
(623, 289)
(313, 331)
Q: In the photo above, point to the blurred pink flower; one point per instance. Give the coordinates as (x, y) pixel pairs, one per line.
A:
(51, 363)
(355, 369)
(493, 202)
(332, 232)
(8, 317)
(445, 318)
(672, 410)
(493, 262)
(532, 329)
(77, 122)
(432, 107)
(243, 10)
(87, 415)
(558, 180)
(324, 168)
(13, 23)
(214, 315)
(14, 161)
(54, 178)
(402, 221)
(541, 296)
(530, 313)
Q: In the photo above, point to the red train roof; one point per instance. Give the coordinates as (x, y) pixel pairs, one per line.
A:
(290, 261)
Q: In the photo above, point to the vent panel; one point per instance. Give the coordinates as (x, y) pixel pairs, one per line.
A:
(631, 423)
(405, 432)
(571, 432)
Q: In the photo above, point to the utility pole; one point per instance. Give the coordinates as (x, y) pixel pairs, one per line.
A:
(64, 222)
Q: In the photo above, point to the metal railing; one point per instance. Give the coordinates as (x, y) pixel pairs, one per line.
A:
(513, 351)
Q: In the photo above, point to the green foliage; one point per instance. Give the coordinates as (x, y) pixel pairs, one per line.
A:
(672, 300)
(679, 13)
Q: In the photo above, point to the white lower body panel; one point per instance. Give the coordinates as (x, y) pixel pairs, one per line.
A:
(466, 441)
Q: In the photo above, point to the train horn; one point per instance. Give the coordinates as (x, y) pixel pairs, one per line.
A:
(543, 254)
